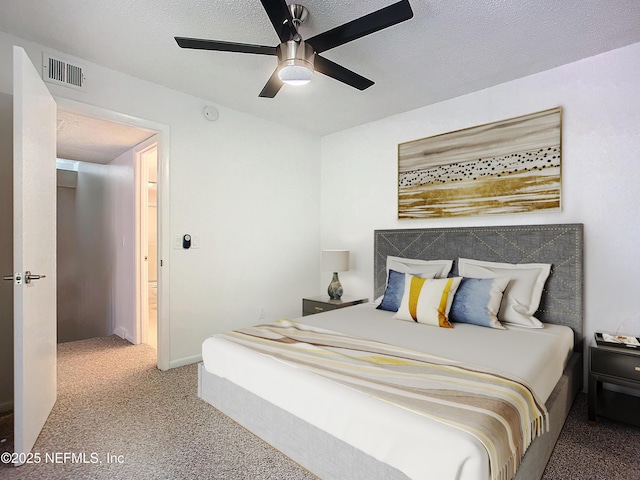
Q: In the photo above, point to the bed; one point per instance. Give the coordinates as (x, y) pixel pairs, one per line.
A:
(337, 432)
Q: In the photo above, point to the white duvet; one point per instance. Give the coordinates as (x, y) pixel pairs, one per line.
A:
(419, 447)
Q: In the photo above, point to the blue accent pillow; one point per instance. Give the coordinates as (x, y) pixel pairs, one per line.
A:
(477, 301)
(394, 292)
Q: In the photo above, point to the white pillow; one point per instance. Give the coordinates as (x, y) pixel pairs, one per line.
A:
(427, 300)
(521, 298)
(422, 268)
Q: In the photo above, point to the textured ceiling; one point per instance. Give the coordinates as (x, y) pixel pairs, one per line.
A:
(449, 48)
(89, 139)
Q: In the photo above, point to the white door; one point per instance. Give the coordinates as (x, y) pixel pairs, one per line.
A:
(34, 250)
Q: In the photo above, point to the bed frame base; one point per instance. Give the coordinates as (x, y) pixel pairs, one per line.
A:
(331, 458)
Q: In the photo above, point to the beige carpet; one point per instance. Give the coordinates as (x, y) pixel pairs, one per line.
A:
(112, 401)
(115, 405)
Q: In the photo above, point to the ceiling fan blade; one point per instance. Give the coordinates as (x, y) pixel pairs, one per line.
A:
(373, 22)
(280, 17)
(201, 44)
(344, 75)
(273, 86)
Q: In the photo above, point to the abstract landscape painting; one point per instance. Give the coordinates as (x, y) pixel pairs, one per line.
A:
(510, 166)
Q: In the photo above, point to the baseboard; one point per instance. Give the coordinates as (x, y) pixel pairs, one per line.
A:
(185, 361)
(121, 332)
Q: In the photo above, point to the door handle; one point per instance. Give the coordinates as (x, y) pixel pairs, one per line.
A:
(28, 277)
(17, 277)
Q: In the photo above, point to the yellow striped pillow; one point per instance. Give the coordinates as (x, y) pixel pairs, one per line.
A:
(427, 300)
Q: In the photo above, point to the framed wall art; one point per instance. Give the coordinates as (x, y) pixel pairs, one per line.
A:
(509, 166)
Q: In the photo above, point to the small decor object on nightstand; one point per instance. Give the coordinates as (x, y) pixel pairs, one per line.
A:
(623, 341)
(335, 261)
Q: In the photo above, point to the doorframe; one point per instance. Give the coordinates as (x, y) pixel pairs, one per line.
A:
(162, 138)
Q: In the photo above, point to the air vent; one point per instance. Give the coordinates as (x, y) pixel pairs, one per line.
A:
(61, 72)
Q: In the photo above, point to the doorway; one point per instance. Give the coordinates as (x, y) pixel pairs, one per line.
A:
(126, 295)
(147, 188)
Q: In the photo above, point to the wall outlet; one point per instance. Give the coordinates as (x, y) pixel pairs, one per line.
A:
(263, 313)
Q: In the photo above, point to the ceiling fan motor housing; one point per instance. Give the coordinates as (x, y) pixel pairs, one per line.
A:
(296, 53)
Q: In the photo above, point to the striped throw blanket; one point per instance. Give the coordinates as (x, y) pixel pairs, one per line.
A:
(502, 413)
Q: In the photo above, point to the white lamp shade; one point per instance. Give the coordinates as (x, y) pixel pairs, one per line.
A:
(335, 260)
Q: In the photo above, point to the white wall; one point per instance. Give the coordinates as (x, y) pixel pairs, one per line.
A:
(252, 198)
(600, 97)
(121, 205)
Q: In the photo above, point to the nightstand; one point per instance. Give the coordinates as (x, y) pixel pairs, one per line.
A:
(617, 366)
(323, 303)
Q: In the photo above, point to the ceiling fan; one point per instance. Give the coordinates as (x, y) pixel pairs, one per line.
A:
(298, 58)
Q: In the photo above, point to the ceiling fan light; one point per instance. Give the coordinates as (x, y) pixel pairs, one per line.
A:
(296, 62)
(295, 74)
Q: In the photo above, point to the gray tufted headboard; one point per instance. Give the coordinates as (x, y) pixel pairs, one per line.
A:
(560, 245)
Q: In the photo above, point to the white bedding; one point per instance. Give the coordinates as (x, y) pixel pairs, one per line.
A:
(419, 447)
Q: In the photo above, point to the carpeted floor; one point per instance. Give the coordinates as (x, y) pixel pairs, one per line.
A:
(116, 409)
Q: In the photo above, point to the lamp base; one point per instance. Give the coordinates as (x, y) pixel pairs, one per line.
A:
(335, 288)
